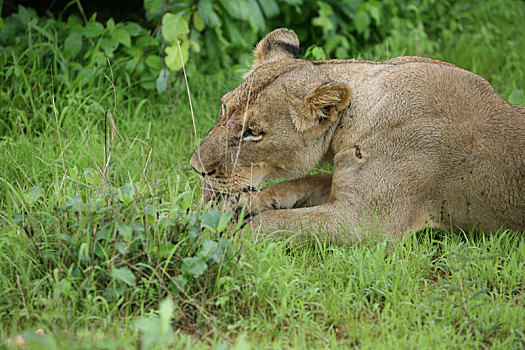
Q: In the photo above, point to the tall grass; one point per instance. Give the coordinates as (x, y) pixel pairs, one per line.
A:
(101, 219)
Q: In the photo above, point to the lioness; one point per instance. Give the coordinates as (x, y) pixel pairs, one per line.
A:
(413, 142)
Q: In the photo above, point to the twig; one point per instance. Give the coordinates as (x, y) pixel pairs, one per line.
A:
(58, 132)
(188, 90)
(21, 291)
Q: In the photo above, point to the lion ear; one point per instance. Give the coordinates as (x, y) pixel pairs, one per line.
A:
(322, 105)
(278, 45)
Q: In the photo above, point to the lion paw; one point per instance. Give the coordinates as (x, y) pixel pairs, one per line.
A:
(256, 202)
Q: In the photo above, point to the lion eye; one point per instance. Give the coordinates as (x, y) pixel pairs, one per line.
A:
(252, 135)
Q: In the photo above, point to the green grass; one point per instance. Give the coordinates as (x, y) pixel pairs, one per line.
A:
(96, 224)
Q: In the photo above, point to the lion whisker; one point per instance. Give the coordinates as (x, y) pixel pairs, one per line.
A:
(243, 126)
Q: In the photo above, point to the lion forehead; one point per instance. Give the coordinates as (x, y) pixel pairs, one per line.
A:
(257, 80)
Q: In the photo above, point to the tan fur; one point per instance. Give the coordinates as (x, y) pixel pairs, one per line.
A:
(278, 45)
(413, 141)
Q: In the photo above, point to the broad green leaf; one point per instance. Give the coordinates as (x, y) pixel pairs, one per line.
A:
(105, 235)
(180, 282)
(315, 52)
(247, 10)
(74, 22)
(122, 247)
(93, 29)
(374, 11)
(221, 301)
(152, 5)
(164, 250)
(233, 8)
(192, 219)
(234, 33)
(110, 24)
(122, 37)
(194, 266)
(208, 14)
(147, 81)
(324, 19)
(195, 46)
(75, 203)
(166, 309)
(341, 53)
(224, 221)
(65, 238)
(222, 250)
(138, 229)
(154, 62)
(198, 22)
(332, 43)
(17, 218)
(25, 14)
(125, 230)
(208, 249)
(193, 231)
(125, 275)
(73, 44)
(162, 81)
(319, 53)
(132, 28)
(126, 193)
(255, 16)
(85, 75)
(91, 176)
(174, 28)
(131, 64)
(173, 55)
(109, 46)
(269, 7)
(211, 220)
(361, 21)
(33, 194)
(217, 41)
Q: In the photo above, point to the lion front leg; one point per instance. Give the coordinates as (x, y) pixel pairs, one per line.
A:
(328, 221)
(308, 191)
(336, 222)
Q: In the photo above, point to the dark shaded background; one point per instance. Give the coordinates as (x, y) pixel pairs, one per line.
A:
(120, 10)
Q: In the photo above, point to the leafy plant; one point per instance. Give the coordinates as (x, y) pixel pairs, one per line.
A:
(157, 330)
(114, 223)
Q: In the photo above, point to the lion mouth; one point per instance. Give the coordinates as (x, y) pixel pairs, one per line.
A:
(207, 192)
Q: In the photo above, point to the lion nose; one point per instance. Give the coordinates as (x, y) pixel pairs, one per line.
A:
(203, 173)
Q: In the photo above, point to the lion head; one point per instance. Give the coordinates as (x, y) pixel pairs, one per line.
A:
(277, 123)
